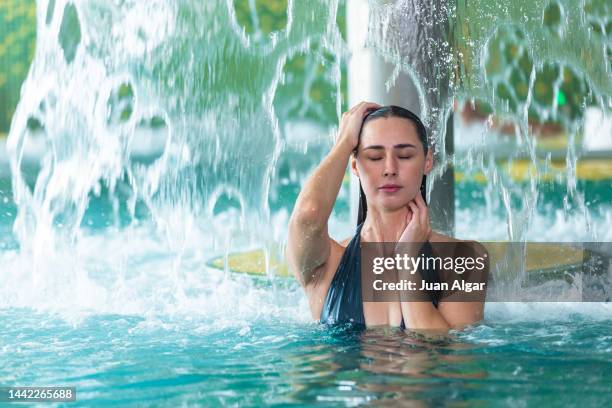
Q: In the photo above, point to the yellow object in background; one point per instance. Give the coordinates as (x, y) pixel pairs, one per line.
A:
(540, 257)
(523, 170)
(253, 263)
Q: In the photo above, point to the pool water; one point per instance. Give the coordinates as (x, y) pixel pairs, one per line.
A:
(130, 319)
(511, 359)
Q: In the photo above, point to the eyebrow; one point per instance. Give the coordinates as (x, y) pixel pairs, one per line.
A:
(397, 146)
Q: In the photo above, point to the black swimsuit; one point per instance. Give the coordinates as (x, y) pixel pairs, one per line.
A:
(343, 303)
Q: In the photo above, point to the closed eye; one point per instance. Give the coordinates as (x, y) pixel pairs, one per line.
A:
(380, 158)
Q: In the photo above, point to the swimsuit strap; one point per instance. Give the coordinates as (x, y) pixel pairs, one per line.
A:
(343, 303)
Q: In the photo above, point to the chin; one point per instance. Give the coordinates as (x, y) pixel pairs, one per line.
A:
(393, 204)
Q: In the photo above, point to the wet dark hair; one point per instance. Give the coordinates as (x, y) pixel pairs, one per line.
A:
(392, 111)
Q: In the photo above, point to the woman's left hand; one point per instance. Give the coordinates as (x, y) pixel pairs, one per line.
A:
(418, 228)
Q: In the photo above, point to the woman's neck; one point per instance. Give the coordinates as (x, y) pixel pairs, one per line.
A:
(385, 226)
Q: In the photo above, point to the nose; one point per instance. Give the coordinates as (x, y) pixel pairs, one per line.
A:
(390, 167)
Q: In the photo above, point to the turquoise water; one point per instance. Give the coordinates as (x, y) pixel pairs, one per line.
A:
(131, 361)
(133, 336)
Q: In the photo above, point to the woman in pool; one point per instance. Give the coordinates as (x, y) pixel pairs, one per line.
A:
(389, 153)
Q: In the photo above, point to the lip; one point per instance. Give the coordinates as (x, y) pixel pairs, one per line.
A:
(390, 188)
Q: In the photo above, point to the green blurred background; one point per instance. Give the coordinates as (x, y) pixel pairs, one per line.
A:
(508, 62)
(317, 101)
(17, 43)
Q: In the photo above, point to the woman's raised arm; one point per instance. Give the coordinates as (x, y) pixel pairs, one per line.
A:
(309, 243)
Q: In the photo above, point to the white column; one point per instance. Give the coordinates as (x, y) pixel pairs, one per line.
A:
(367, 75)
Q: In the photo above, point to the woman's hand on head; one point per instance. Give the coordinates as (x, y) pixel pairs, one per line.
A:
(351, 122)
(418, 228)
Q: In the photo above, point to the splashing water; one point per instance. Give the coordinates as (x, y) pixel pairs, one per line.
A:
(152, 136)
(163, 126)
(110, 78)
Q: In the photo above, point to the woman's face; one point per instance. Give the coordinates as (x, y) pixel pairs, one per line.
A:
(390, 153)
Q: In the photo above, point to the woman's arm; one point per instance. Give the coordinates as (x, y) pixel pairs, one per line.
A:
(417, 309)
(453, 314)
(461, 308)
(423, 316)
(308, 240)
(460, 314)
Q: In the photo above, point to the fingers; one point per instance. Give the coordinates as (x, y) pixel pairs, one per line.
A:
(408, 216)
(420, 202)
(361, 108)
(364, 106)
(421, 216)
(415, 211)
(356, 107)
(369, 107)
(424, 213)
